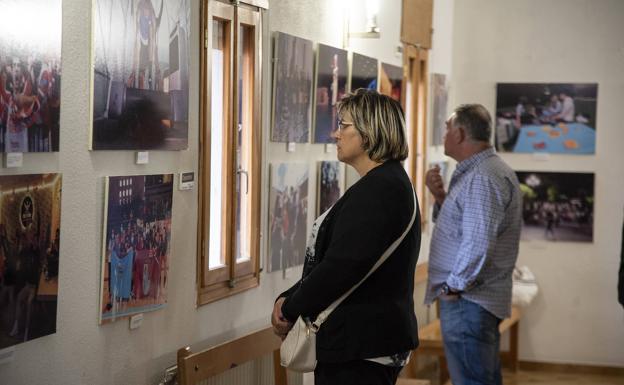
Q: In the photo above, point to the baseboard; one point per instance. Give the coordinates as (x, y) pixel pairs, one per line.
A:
(570, 368)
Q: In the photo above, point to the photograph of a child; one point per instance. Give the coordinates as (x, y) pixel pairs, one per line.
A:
(30, 229)
(288, 215)
(330, 185)
(546, 117)
(135, 253)
(557, 206)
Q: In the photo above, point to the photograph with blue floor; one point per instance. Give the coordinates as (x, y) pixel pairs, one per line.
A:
(558, 118)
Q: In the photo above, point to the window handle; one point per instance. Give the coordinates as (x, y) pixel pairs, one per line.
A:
(241, 171)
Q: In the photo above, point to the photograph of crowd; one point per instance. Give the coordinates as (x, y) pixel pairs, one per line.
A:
(292, 88)
(141, 75)
(331, 86)
(30, 220)
(30, 75)
(557, 206)
(135, 252)
(547, 117)
(363, 72)
(391, 81)
(288, 215)
(330, 185)
(439, 97)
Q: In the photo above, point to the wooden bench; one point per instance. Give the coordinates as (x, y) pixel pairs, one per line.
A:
(430, 337)
(196, 367)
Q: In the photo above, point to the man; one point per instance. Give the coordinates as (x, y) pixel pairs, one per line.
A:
(567, 108)
(474, 247)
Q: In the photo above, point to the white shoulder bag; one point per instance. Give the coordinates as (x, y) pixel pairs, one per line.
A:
(298, 350)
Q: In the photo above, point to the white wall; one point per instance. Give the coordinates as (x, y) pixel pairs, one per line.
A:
(81, 351)
(576, 317)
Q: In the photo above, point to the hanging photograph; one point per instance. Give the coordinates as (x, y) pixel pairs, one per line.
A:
(330, 185)
(135, 250)
(30, 227)
(288, 215)
(363, 72)
(547, 117)
(331, 86)
(30, 75)
(439, 95)
(391, 81)
(292, 88)
(557, 206)
(141, 75)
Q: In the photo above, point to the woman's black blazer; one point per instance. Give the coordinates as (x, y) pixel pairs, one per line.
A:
(378, 318)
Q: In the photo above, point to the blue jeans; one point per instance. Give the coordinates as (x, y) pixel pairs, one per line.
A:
(471, 342)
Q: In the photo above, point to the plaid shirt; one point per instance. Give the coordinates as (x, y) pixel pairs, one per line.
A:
(474, 245)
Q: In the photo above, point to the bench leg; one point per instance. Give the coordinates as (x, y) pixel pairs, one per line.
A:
(513, 347)
(279, 371)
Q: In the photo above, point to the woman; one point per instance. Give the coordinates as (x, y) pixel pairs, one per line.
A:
(368, 337)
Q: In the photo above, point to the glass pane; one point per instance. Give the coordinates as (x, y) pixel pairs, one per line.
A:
(243, 144)
(217, 143)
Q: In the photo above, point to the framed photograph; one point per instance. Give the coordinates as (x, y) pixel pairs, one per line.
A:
(439, 95)
(330, 185)
(30, 75)
(363, 72)
(30, 229)
(292, 88)
(288, 215)
(557, 206)
(135, 250)
(555, 118)
(391, 81)
(331, 86)
(141, 75)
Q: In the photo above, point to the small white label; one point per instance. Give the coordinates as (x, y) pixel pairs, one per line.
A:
(7, 355)
(291, 147)
(330, 148)
(136, 321)
(187, 180)
(14, 159)
(142, 157)
(541, 156)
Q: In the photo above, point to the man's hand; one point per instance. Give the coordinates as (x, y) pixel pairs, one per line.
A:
(435, 184)
(281, 326)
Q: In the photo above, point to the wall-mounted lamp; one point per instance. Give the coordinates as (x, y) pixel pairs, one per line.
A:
(372, 29)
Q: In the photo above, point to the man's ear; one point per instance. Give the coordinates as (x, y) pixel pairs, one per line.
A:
(460, 134)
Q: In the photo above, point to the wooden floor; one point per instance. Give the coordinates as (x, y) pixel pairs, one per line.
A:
(555, 378)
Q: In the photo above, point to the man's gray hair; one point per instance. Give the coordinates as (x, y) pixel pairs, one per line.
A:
(476, 121)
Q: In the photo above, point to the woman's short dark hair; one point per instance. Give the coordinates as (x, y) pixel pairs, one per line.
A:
(476, 121)
(380, 121)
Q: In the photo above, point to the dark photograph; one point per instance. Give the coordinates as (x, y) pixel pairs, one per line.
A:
(331, 86)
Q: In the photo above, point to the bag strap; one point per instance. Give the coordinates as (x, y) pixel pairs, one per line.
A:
(325, 313)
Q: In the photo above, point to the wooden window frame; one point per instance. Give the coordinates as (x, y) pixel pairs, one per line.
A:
(233, 277)
(416, 61)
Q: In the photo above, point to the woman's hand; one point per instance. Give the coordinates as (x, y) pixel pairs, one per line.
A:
(281, 326)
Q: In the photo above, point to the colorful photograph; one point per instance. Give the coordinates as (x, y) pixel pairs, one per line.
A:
(30, 75)
(439, 96)
(547, 117)
(363, 72)
(557, 206)
(30, 229)
(292, 89)
(288, 215)
(331, 86)
(330, 185)
(391, 81)
(141, 75)
(135, 253)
